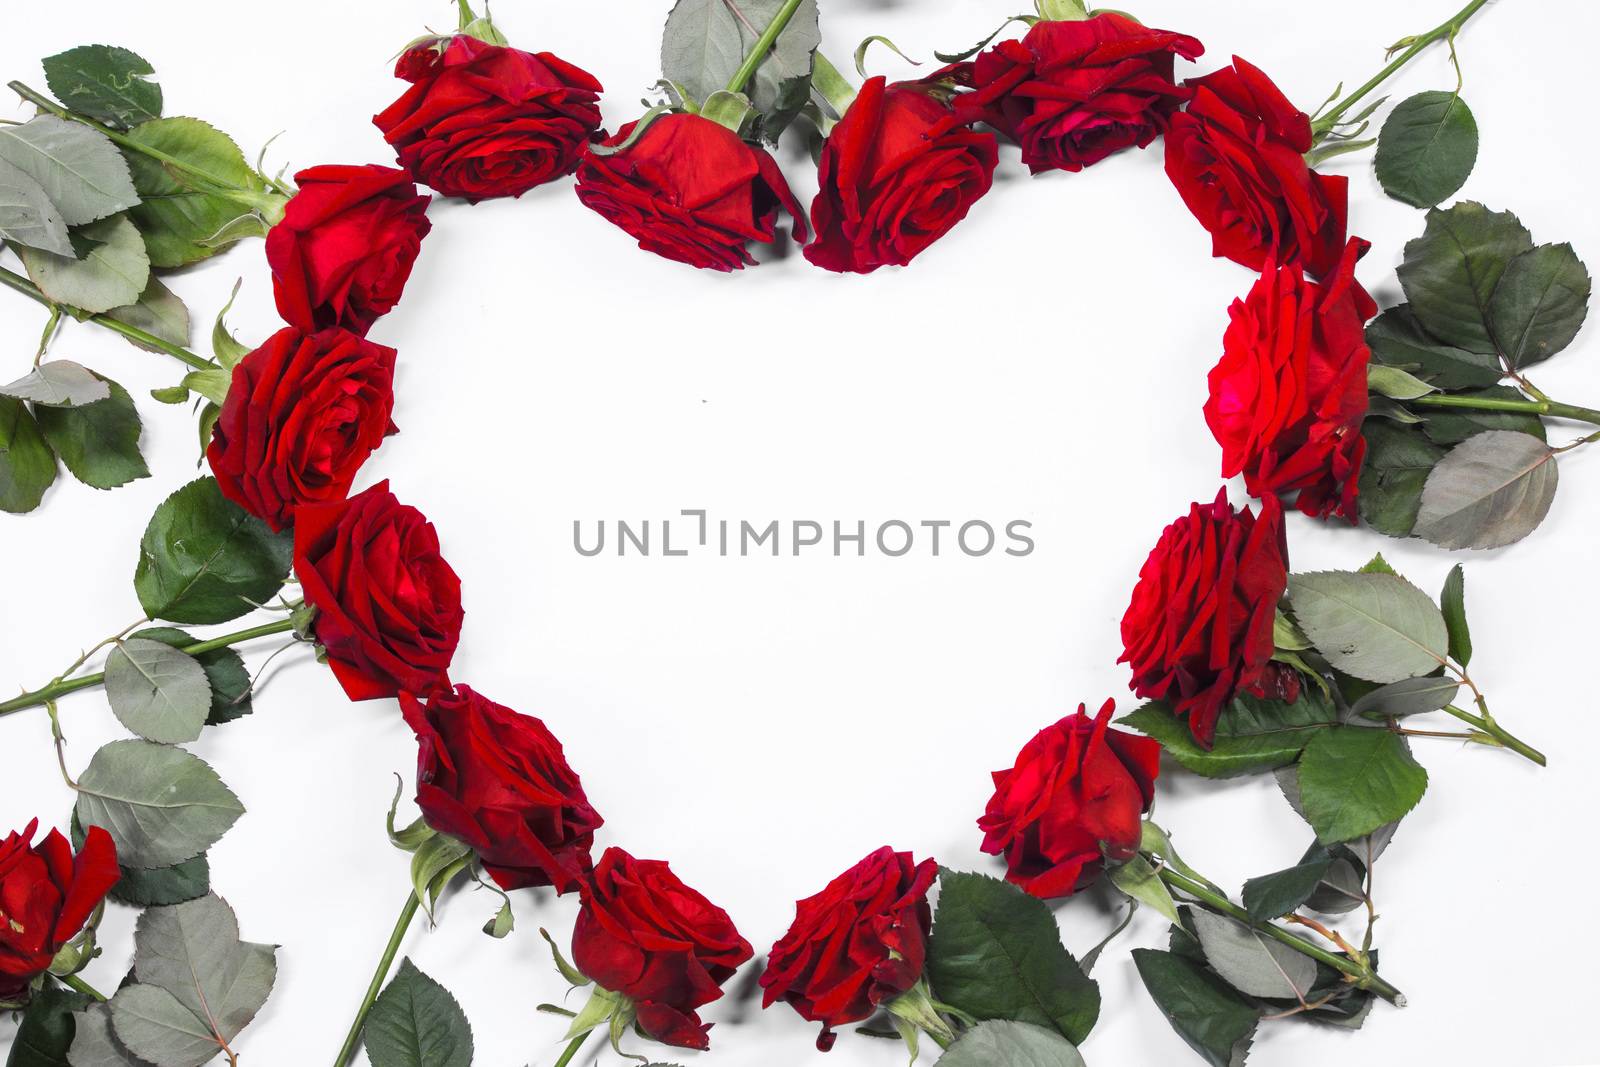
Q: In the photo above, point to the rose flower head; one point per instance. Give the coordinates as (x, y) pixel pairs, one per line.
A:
(47, 895)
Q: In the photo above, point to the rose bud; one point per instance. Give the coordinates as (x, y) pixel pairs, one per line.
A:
(689, 190)
(1072, 93)
(345, 247)
(1237, 157)
(1074, 798)
(662, 948)
(1290, 394)
(855, 946)
(499, 782)
(1198, 630)
(303, 413)
(388, 607)
(481, 120)
(898, 172)
(46, 896)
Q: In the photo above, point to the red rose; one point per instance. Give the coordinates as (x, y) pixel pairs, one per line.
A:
(46, 896)
(1237, 157)
(388, 605)
(303, 413)
(1290, 394)
(481, 120)
(499, 782)
(1198, 630)
(1075, 796)
(643, 934)
(343, 252)
(1072, 93)
(897, 172)
(690, 190)
(859, 943)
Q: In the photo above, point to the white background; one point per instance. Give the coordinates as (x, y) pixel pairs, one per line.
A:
(764, 723)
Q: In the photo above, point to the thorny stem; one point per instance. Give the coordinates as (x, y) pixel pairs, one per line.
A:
(390, 951)
(1549, 408)
(1486, 722)
(758, 51)
(132, 333)
(73, 981)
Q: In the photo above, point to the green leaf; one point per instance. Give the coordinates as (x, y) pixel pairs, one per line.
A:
(47, 1029)
(1211, 1018)
(1139, 880)
(1409, 696)
(1450, 273)
(1378, 627)
(164, 885)
(1427, 148)
(1398, 461)
(27, 466)
(206, 560)
(417, 1023)
(1253, 735)
(26, 214)
(1540, 304)
(58, 383)
(95, 1044)
(1453, 603)
(112, 85)
(160, 805)
(1397, 339)
(79, 169)
(705, 42)
(158, 312)
(1354, 780)
(185, 218)
(225, 671)
(1269, 896)
(156, 691)
(113, 273)
(155, 1026)
(996, 953)
(1251, 962)
(99, 442)
(1451, 426)
(1492, 490)
(1396, 384)
(1007, 1044)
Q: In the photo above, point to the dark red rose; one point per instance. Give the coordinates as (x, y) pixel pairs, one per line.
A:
(1072, 93)
(1198, 630)
(343, 252)
(1290, 394)
(481, 120)
(897, 172)
(1075, 797)
(644, 934)
(499, 782)
(859, 943)
(388, 605)
(46, 896)
(1237, 157)
(690, 190)
(303, 413)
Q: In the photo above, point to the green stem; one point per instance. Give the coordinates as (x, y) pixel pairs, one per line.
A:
(1359, 970)
(572, 1049)
(758, 51)
(61, 687)
(73, 981)
(1444, 30)
(132, 333)
(1550, 408)
(1502, 737)
(353, 1039)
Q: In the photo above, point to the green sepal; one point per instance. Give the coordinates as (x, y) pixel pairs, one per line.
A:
(435, 865)
(732, 110)
(1063, 10)
(574, 977)
(223, 344)
(639, 128)
(602, 1009)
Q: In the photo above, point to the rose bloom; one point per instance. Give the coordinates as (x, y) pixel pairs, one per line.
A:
(644, 934)
(1237, 157)
(482, 120)
(1075, 796)
(898, 172)
(1072, 93)
(46, 896)
(344, 249)
(302, 415)
(858, 944)
(690, 190)
(1198, 630)
(1290, 394)
(500, 783)
(388, 605)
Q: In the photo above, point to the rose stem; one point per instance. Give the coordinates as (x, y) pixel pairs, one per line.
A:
(1500, 734)
(1363, 974)
(1529, 407)
(572, 1049)
(61, 687)
(391, 950)
(1444, 30)
(763, 45)
(132, 333)
(73, 981)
